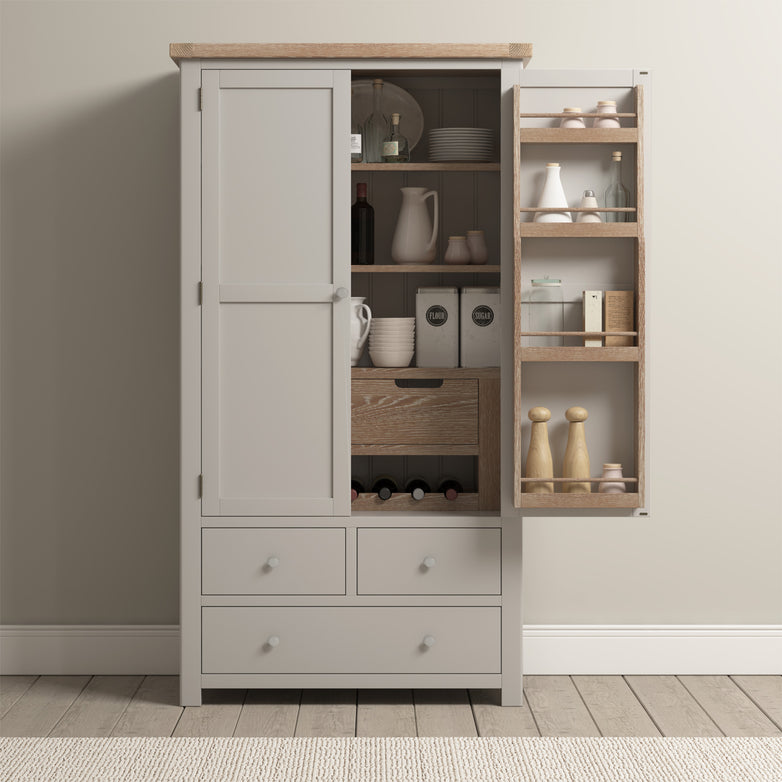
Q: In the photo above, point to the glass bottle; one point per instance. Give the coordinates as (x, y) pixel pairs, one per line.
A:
(395, 146)
(450, 487)
(617, 194)
(547, 311)
(385, 486)
(417, 488)
(356, 154)
(362, 229)
(375, 126)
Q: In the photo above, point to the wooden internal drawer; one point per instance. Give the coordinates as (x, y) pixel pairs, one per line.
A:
(350, 640)
(429, 561)
(382, 412)
(300, 561)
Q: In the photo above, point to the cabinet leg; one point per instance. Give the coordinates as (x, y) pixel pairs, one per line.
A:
(189, 692)
(512, 692)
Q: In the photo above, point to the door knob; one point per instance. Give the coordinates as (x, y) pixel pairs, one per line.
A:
(272, 562)
(273, 640)
(342, 293)
(429, 641)
(429, 562)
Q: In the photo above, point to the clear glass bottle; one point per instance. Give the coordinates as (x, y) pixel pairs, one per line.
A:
(356, 154)
(375, 126)
(547, 311)
(617, 195)
(395, 146)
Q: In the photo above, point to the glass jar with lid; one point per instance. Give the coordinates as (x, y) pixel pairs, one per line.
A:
(547, 311)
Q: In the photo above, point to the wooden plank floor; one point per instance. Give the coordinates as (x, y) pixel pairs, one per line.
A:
(554, 706)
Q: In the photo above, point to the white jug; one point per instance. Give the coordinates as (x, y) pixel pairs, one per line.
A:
(360, 320)
(415, 238)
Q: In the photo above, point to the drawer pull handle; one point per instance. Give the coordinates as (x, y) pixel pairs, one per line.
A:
(272, 562)
(429, 641)
(429, 562)
(273, 640)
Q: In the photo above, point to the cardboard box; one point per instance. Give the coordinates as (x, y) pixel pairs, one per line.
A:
(619, 311)
(593, 317)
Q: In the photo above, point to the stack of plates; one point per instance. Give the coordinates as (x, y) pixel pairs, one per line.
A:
(465, 144)
(392, 341)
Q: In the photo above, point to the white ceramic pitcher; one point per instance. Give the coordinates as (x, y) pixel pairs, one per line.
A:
(360, 320)
(415, 237)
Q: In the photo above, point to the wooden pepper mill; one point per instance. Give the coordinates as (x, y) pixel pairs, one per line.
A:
(576, 464)
(539, 463)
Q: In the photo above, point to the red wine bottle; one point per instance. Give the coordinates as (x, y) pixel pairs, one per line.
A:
(356, 488)
(384, 487)
(362, 229)
(418, 488)
(450, 487)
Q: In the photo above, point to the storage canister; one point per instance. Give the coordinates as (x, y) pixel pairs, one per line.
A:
(480, 327)
(437, 327)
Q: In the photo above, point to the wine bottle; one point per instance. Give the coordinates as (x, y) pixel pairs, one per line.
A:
(384, 487)
(617, 194)
(362, 229)
(375, 126)
(395, 146)
(418, 488)
(450, 487)
(356, 488)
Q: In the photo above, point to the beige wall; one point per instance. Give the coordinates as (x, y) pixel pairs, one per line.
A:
(89, 300)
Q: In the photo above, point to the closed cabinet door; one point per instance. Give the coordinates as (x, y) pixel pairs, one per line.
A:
(275, 301)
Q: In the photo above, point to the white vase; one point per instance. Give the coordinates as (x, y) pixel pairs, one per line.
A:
(415, 237)
(360, 321)
(553, 196)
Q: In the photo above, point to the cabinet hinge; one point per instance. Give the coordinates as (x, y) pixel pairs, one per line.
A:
(200, 485)
(200, 292)
(200, 99)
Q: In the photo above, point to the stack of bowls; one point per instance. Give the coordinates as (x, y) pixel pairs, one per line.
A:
(392, 341)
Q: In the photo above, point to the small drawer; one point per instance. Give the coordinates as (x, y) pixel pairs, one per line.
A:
(382, 412)
(429, 561)
(300, 561)
(376, 639)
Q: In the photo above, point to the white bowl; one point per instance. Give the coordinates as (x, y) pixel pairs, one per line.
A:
(391, 358)
(392, 345)
(393, 320)
(392, 329)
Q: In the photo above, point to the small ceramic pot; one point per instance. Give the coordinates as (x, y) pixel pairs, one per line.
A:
(612, 487)
(476, 244)
(606, 107)
(572, 122)
(457, 252)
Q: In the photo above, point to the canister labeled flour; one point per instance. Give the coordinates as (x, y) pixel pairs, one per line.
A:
(437, 327)
(480, 327)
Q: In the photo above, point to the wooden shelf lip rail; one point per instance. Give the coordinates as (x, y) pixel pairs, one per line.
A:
(577, 209)
(578, 135)
(578, 230)
(580, 501)
(597, 353)
(312, 51)
(467, 501)
(563, 115)
(415, 449)
(579, 480)
(579, 334)
(424, 373)
(424, 166)
(428, 268)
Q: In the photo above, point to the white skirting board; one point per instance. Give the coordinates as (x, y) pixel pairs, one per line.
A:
(548, 649)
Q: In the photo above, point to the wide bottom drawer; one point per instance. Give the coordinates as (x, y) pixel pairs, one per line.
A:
(350, 640)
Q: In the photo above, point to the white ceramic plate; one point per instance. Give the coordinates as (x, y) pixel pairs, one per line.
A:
(395, 100)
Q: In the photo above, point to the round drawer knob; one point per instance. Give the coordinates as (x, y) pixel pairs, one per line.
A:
(429, 562)
(273, 640)
(342, 293)
(429, 641)
(272, 562)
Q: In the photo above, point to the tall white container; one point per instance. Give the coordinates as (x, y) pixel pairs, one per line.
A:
(437, 327)
(553, 197)
(480, 327)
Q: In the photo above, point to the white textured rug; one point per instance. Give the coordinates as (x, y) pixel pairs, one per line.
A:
(387, 759)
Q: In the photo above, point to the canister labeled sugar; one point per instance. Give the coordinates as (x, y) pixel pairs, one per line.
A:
(480, 327)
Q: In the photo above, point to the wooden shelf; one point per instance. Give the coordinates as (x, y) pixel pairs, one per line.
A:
(580, 354)
(578, 135)
(425, 373)
(578, 230)
(580, 501)
(403, 503)
(427, 268)
(464, 167)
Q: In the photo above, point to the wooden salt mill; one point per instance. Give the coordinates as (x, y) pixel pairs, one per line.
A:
(539, 464)
(576, 464)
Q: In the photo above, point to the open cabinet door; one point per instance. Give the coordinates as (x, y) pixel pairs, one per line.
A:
(517, 455)
(275, 328)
